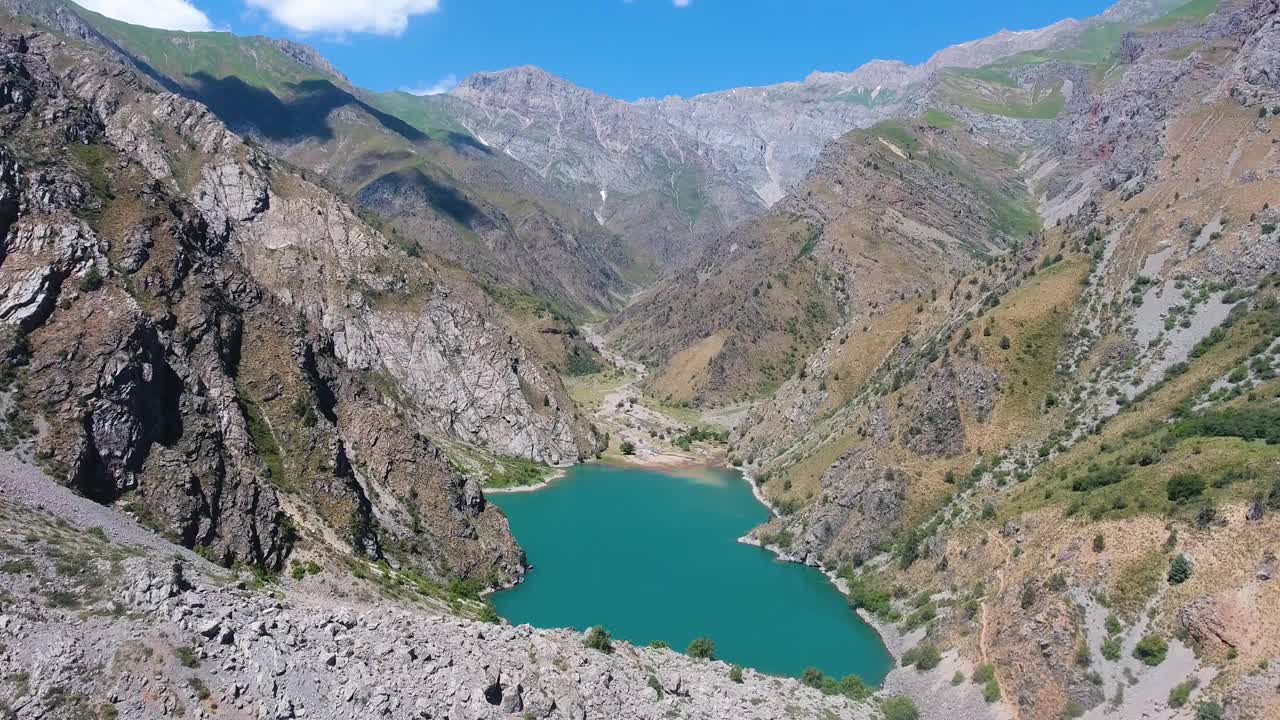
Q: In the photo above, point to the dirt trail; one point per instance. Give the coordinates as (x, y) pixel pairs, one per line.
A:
(984, 651)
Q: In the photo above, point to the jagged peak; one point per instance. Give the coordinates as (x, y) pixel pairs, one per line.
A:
(520, 76)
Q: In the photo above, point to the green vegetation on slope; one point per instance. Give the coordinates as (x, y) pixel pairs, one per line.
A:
(1192, 11)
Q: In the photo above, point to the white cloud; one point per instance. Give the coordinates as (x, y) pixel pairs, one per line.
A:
(380, 17)
(682, 3)
(443, 85)
(164, 14)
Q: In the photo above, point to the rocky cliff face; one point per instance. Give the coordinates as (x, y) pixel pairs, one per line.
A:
(226, 348)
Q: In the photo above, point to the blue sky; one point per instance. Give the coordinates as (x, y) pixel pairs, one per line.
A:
(624, 48)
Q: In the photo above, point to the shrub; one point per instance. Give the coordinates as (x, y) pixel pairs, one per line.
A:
(1181, 692)
(1248, 423)
(1073, 709)
(1179, 570)
(1004, 342)
(958, 678)
(1100, 477)
(1113, 625)
(1184, 486)
(899, 707)
(187, 657)
(924, 656)
(660, 645)
(1151, 650)
(1099, 543)
(702, 649)
(92, 279)
(628, 447)
(866, 596)
(984, 673)
(991, 691)
(1209, 711)
(1083, 657)
(812, 677)
(735, 673)
(1111, 648)
(598, 639)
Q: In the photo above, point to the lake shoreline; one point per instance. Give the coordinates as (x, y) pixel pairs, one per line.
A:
(889, 636)
(664, 462)
(715, 498)
(556, 474)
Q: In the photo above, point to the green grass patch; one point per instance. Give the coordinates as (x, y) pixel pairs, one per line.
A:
(516, 472)
(1045, 107)
(1193, 11)
(264, 440)
(939, 119)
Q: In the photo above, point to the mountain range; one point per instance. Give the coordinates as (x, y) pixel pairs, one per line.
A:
(995, 337)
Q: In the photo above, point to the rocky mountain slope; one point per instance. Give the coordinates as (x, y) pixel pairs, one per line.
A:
(889, 215)
(197, 332)
(165, 634)
(400, 156)
(1052, 464)
(1011, 350)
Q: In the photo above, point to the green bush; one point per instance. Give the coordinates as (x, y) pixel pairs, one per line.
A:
(812, 677)
(984, 673)
(187, 656)
(735, 673)
(1099, 543)
(1181, 692)
(991, 691)
(1151, 650)
(958, 678)
(1111, 648)
(598, 639)
(1113, 625)
(1184, 486)
(628, 447)
(1209, 711)
(851, 687)
(1100, 477)
(702, 649)
(865, 595)
(1248, 423)
(899, 707)
(924, 656)
(1179, 570)
(92, 279)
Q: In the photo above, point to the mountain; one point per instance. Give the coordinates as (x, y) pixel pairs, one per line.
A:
(1046, 456)
(996, 338)
(890, 214)
(399, 156)
(197, 332)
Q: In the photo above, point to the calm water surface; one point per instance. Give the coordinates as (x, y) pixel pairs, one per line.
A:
(655, 556)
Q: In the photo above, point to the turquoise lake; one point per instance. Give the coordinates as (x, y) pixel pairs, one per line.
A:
(655, 556)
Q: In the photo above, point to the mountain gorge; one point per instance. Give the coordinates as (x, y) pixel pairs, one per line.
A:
(995, 337)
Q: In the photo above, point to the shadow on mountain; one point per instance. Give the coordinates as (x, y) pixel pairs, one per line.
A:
(304, 115)
(404, 189)
(462, 141)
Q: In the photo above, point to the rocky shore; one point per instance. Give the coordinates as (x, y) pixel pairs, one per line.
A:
(96, 618)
